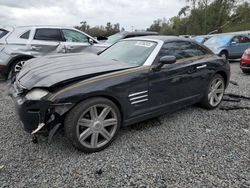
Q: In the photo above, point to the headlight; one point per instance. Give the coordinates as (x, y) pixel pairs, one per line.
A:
(36, 94)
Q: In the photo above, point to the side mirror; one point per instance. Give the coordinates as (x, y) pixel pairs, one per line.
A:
(163, 61)
(91, 41)
(168, 60)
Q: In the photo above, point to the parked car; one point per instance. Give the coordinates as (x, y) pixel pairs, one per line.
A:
(245, 61)
(201, 38)
(22, 43)
(228, 46)
(92, 96)
(125, 34)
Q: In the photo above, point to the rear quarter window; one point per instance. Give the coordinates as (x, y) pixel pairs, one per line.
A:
(3, 33)
(26, 35)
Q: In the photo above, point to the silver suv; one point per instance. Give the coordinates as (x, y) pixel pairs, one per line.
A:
(19, 44)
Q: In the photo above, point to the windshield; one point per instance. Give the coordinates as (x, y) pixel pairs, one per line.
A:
(114, 38)
(199, 39)
(3, 32)
(218, 40)
(133, 52)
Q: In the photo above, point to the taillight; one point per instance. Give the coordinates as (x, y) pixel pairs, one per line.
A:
(2, 67)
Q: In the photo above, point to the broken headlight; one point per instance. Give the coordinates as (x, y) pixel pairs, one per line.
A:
(36, 94)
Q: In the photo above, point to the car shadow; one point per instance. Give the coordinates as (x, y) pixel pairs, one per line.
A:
(234, 60)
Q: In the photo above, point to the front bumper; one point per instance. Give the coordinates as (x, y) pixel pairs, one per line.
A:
(31, 113)
(34, 113)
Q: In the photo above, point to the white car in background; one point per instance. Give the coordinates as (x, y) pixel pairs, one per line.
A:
(19, 44)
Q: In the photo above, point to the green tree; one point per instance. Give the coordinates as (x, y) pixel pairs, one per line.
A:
(206, 16)
(97, 31)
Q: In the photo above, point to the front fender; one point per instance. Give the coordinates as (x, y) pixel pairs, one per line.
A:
(114, 86)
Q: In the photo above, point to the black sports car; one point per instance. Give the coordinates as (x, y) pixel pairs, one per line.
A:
(92, 96)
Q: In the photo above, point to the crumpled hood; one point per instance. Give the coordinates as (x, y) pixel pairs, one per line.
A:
(51, 70)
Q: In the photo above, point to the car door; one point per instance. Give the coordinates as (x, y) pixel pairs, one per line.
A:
(245, 44)
(46, 41)
(181, 83)
(75, 41)
(238, 45)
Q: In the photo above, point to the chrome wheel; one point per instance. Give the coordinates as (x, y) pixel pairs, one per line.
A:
(18, 67)
(216, 91)
(97, 126)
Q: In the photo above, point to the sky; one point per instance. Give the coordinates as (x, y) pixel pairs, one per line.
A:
(137, 13)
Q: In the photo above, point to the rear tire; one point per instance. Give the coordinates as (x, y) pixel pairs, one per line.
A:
(93, 124)
(224, 55)
(16, 68)
(214, 93)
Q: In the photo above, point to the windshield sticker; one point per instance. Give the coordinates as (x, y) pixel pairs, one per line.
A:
(144, 44)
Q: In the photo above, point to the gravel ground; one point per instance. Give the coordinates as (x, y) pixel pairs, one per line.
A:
(190, 148)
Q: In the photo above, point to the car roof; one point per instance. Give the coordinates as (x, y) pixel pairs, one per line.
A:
(163, 38)
(139, 33)
(46, 26)
(231, 34)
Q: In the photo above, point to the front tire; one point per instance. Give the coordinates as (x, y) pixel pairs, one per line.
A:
(93, 124)
(214, 92)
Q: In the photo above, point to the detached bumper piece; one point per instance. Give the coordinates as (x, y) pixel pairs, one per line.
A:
(40, 117)
(40, 126)
(33, 114)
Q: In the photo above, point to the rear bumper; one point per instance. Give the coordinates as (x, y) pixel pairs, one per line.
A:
(245, 66)
(4, 61)
(3, 70)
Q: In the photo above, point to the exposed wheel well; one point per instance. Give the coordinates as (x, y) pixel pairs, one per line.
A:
(224, 75)
(114, 100)
(224, 51)
(16, 59)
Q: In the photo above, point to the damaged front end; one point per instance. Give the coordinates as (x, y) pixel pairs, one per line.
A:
(37, 114)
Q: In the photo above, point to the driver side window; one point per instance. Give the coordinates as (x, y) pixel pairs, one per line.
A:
(236, 39)
(182, 50)
(74, 36)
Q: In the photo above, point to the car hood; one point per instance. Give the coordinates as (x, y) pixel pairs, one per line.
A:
(52, 70)
(213, 48)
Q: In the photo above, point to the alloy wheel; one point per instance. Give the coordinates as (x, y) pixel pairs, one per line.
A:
(216, 92)
(18, 67)
(97, 126)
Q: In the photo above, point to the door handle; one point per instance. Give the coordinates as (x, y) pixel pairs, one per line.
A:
(35, 48)
(201, 67)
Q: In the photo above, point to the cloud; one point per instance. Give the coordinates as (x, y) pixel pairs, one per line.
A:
(139, 14)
